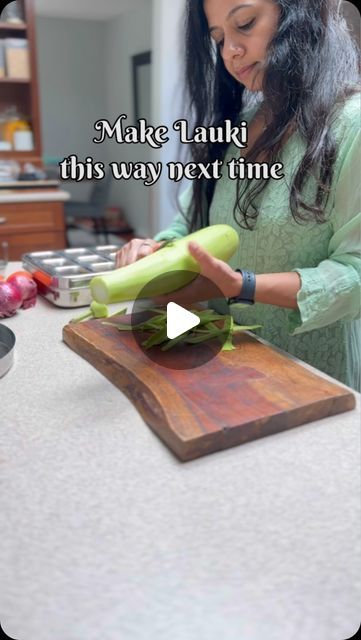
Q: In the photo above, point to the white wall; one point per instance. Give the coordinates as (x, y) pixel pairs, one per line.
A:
(126, 36)
(85, 75)
(168, 54)
(71, 62)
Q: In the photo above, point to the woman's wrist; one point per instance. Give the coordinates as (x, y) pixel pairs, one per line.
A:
(278, 289)
(236, 286)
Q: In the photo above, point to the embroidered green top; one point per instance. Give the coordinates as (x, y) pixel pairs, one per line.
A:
(325, 330)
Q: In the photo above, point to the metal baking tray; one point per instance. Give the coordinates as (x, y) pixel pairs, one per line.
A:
(63, 277)
(7, 346)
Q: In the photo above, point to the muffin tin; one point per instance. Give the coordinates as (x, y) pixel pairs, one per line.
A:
(63, 277)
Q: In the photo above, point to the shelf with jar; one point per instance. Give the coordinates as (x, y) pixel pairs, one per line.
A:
(14, 43)
(14, 59)
(15, 131)
(13, 14)
(19, 100)
(9, 29)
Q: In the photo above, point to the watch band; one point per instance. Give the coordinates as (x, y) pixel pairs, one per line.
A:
(246, 295)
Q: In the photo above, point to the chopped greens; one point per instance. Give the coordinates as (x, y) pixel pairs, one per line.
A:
(207, 329)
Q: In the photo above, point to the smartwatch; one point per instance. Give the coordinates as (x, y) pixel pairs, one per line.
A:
(246, 295)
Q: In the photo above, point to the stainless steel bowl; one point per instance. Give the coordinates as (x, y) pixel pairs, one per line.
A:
(7, 346)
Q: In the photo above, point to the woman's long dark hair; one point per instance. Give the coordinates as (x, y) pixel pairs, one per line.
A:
(311, 68)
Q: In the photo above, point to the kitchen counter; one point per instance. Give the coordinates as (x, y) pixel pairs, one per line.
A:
(8, 196)
(105, 534)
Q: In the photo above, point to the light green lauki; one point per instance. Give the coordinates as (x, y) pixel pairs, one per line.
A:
(166, 270)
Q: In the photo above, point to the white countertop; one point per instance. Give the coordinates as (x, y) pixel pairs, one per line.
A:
(106, 534)
(8, 196)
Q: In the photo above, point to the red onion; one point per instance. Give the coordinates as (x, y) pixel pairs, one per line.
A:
(10, 299)
(27, 288)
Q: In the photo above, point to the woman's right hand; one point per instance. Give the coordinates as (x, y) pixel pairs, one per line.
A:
(135, 250)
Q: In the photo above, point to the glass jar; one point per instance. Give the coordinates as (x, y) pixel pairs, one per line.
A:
(13, 12)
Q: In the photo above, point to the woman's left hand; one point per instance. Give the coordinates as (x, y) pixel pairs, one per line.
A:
(218, 278)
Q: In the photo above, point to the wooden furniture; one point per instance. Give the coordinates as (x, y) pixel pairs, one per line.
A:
(32, 220)
(23, 93)
(237, 396)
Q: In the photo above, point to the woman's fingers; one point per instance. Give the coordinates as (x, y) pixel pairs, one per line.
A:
(146, 248)
(205, 260)
(138, 251)
(135, 250)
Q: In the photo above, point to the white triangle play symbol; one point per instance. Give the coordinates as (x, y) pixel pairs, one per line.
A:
(179, 320)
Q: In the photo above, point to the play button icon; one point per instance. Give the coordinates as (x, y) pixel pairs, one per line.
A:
(179, 320)
(173, 324)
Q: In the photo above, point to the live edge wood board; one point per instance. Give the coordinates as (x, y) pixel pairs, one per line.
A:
(236, 397)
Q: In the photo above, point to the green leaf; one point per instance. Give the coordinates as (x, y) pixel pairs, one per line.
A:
(227, 328)
(239, 328)
(81, 318)
(207, 329)
(156, 338)
(173, 342)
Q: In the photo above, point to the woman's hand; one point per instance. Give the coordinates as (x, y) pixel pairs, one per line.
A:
(218, 277)
(135, 250)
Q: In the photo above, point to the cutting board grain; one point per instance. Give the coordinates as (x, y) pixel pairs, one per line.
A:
(236, 397)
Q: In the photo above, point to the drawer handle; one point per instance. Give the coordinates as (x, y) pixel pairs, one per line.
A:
(3, 220)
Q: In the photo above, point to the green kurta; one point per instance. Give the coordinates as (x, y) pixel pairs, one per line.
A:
(326, 330)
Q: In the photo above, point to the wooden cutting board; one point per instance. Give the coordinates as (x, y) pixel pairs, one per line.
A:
(236, 397)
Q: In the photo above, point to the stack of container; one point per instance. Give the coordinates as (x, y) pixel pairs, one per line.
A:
(14, 58)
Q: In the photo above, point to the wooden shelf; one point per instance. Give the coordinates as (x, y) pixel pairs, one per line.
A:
(29, 225)
(9, 26)
(7, 80)
(23, 93)
(19, 155)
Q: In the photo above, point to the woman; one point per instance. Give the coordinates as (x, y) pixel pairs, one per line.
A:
(299, 236)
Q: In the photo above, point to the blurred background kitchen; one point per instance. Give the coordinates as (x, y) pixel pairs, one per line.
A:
(63, 66)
